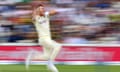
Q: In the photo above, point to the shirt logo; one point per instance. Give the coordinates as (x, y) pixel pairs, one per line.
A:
(42, 22)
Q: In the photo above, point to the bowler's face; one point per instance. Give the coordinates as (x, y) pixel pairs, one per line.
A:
(42, 9)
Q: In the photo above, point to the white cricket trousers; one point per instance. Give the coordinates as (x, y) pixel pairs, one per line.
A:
(50, 49)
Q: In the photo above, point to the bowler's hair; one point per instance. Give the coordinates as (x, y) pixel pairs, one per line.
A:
(37, 5)
(40, 5)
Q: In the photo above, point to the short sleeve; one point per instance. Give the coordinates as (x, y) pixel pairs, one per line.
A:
(37, 17)
(46, 13)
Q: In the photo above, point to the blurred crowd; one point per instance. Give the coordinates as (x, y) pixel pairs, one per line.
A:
(81, 22)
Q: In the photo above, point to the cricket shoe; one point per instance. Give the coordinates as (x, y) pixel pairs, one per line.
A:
(28, 59)
(52, 67)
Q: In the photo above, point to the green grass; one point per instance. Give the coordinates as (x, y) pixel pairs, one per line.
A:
(62, 68)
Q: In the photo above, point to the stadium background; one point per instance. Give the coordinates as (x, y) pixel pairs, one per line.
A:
(85, 21)
(87, 28)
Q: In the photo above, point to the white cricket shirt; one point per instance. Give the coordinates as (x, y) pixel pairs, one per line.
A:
(42, 25)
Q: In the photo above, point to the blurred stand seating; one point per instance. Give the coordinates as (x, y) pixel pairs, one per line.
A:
(83, 22)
